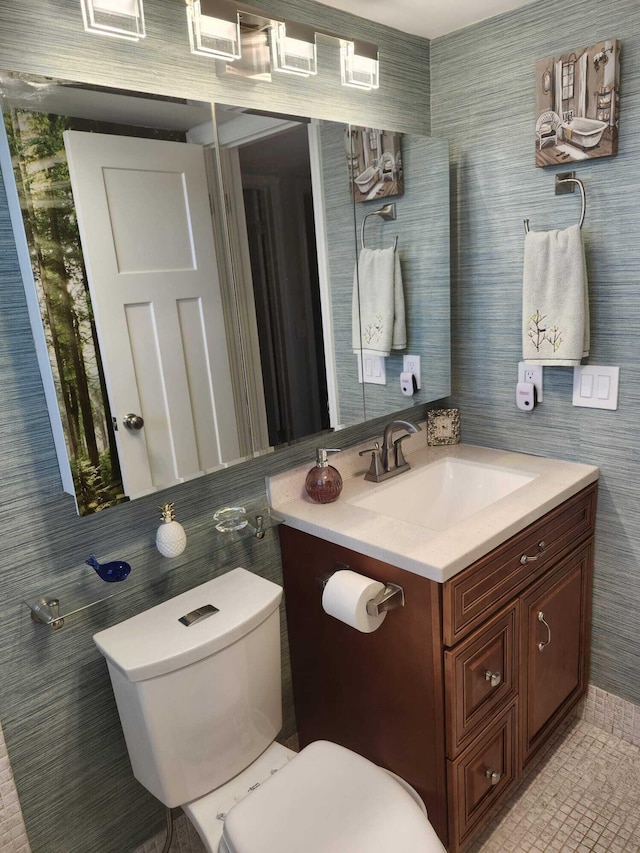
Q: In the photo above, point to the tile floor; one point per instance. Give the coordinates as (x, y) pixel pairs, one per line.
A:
(583, 797)
(13, 835)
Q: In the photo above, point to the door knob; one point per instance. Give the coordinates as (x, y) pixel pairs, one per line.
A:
(132, 421)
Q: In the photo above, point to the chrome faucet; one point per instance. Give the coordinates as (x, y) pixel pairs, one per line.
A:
(388, 461)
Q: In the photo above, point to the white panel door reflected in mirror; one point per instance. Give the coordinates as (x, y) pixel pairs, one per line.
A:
(143, 213)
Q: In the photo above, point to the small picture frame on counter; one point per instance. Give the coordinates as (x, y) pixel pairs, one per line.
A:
(443, 427)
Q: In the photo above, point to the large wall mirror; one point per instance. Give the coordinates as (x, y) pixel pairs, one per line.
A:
(197, 275)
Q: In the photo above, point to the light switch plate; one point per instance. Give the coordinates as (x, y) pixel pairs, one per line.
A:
(372, 369)
(596, 387)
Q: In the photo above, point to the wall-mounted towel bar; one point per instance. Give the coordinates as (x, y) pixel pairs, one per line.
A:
(565, 183)
(386, 212)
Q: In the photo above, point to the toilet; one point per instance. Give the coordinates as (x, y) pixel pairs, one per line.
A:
(197, 683)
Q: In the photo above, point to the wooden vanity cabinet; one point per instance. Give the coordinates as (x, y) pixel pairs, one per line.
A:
(457, 690)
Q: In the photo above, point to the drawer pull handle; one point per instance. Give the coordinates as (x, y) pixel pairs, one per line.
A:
(526, 559)
(546, 624)
(494, 677)
(493, 775)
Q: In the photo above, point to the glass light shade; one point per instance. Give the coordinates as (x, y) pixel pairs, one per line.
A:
(119, 18)
(291, 54)
(212, 36)
(359, 71)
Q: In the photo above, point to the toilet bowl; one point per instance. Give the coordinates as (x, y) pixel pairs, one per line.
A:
(197, 684)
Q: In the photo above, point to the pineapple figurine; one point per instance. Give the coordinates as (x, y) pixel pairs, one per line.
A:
(171, 539)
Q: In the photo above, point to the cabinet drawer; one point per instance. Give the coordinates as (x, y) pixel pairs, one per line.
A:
(481, 776)
(480, 678)
(479, 591)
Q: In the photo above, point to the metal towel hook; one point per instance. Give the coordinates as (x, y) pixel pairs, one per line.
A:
(567, 178)
(386, 212)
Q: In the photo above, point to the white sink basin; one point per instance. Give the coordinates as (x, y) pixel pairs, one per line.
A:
(443, 493)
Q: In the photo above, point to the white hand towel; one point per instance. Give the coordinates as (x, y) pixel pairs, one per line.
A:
(378, 316)
(555, 299)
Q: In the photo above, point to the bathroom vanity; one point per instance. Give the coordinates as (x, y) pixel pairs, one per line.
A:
(457, 690)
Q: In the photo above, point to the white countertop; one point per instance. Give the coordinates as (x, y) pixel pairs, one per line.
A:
(434, 554)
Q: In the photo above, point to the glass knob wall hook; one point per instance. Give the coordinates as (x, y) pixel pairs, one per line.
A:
(132, 421)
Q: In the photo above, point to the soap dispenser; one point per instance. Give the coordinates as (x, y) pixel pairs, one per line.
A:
(323, 483)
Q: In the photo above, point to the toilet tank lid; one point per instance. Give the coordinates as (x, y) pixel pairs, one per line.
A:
(156, 642)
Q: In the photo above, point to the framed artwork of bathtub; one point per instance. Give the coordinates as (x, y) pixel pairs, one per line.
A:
(374, 162)
(578, 105)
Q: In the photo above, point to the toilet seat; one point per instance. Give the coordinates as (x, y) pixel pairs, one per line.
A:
(208, 813)
(329, 800)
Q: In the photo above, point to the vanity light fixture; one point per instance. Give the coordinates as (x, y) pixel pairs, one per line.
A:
(119, 18)
(359, 64)
(293, 48)
(214, 29)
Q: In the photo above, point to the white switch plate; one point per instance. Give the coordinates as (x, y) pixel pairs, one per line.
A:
(596, 387)
(411, 364)
(372, 369)
(531, 373)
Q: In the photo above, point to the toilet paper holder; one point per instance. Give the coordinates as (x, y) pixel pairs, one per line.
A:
(389, 598)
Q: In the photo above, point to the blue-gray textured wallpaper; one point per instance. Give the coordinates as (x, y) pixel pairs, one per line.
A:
(483, 102)
(56, 703)
(58, 713)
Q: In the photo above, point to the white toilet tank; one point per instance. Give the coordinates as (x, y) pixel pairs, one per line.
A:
(199, 702)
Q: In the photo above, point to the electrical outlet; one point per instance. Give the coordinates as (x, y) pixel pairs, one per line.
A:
(411, 364)
(531, 373)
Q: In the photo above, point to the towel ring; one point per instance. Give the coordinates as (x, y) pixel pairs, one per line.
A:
(559, 181)
(387, 212)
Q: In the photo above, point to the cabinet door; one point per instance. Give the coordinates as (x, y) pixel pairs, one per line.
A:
(555, 622)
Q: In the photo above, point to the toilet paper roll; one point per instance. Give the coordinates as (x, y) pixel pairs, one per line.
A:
(345, 598)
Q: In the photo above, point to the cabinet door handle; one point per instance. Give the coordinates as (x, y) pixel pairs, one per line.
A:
(526, 559)
(546, 624)
(493, 775)
(494, 677)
